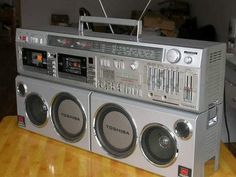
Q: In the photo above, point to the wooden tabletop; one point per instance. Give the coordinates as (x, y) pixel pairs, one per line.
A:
(26, 154)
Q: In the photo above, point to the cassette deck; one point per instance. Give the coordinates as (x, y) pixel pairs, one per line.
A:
(179, 73)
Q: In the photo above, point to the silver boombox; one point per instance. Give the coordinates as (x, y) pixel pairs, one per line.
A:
(81, 88)
(178, 73)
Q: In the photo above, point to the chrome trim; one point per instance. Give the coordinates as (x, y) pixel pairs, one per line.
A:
(44, 102)
(81, 106)
(173, 136)
(99, 142)
(189, 126)
(24, 86)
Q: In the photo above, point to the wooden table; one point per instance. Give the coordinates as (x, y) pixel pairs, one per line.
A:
(26, 154)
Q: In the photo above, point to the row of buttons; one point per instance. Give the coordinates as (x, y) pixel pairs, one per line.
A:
(51, 67)
(120, 88)
(107, 63)
(31, 39)
(36, 40)
(119, 64)
(133, 91)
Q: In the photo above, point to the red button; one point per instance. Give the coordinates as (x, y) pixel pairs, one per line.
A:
(184, 171)
(23, 38)
(21, 119)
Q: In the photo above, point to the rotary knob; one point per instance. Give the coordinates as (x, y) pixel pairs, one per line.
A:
(173, 55)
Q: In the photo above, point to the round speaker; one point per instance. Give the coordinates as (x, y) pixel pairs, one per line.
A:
(183, 129)
(158, 145)
(68, 117)
(115, 130)
(21, 89)
(36, 109)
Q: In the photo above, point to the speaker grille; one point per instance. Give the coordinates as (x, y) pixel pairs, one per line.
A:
(68, 117)
(36, 109)
(115, 130)
(159, 145)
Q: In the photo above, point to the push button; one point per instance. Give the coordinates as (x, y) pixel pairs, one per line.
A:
(188, 60)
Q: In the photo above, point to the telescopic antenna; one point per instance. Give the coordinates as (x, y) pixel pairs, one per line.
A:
(141, 16)
(105, 14)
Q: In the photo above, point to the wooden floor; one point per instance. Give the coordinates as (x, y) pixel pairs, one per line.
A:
(232, 148)
(7, 83)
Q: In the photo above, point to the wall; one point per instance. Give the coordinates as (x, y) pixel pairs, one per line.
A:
(215, 12)
(10, 2)
(38, 13)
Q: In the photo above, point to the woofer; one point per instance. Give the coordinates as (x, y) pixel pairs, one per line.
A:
(68, 117)
(36, 109)
(158, 145)
(115, 130)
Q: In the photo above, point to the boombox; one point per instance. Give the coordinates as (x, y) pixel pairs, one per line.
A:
(183, 74)
(53, 110)
(162, 140)
(117, 95)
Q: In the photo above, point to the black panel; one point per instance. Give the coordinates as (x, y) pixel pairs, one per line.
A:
(70, 64)
(35, 58)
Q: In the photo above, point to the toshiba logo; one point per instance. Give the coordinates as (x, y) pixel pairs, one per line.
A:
(117, 129)
(70, 116)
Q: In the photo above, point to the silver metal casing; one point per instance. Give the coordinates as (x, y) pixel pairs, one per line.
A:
(202, 144)
(72, 104)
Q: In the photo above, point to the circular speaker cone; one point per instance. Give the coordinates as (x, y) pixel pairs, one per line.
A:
(36, 109)
(183, 129)
(68, 117)
(115, 130)
(21, 89)
(159, 145)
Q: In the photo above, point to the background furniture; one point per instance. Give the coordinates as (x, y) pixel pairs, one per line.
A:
(8, 19)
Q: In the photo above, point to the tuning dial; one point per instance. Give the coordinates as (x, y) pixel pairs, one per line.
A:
(134, 65)
(173, 55)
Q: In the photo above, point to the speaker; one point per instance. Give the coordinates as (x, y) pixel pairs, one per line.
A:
(56, 111)
(158, 139)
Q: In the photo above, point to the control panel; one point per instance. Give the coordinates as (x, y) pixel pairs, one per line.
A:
(148, 80)
(156, 72)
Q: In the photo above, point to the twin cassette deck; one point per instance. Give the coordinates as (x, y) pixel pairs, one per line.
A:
(183, 74)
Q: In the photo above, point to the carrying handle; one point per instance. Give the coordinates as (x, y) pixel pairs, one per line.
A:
(114, 21)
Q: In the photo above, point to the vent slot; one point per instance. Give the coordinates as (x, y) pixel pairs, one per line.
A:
(215, 56)
(214, 80)
(211, 142)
